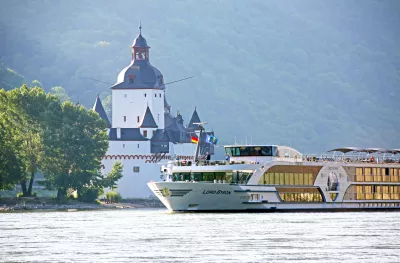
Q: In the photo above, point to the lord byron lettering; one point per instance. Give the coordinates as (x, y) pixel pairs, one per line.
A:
(216, 192)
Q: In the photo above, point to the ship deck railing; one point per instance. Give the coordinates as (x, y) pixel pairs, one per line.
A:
(303, 158)
(352, 159)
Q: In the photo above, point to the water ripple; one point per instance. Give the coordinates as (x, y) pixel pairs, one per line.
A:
(151, 235)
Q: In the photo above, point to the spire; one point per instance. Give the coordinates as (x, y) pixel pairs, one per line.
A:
(195, 118)
(148, 120)
(140, 41)
(98, 107)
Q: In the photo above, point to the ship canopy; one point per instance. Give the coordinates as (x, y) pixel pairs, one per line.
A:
(365, 150)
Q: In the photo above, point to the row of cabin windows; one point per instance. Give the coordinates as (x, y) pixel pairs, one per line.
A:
(379, 205)
(138, 118)
(373, 192)
(239, 177)
(145, 94)
(369, 174)
(302, 195)
(287, 179)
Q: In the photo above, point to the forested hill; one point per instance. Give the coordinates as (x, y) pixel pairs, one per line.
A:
(310, 74)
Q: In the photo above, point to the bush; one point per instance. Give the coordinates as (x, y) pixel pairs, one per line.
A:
(20, 194)
(90, 194)
(113, 197)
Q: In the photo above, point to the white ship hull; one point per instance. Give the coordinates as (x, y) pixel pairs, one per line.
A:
(219, 197)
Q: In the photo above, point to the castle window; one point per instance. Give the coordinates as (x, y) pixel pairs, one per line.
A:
(155, 95)
(138, 119)
(138, 145)
(123, 145)
(124, 118)
(160, 95)
(145, 133)
(154, 132)
(125, 95)
(136, 169)
(145, 94)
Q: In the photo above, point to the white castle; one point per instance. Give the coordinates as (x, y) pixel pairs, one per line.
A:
(143, 132)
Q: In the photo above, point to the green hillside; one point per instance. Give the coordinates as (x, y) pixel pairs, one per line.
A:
(9, 79)
(311, 74)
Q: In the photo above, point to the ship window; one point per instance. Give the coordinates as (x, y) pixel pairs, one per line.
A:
(252, 151)
(300, 195)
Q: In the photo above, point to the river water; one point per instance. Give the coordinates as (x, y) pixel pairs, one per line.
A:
(154, 235)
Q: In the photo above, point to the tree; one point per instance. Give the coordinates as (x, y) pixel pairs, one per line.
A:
(60, 93)
(37, 83)
(11, 166)
(110, 180)
(29, 114)
(78, 145)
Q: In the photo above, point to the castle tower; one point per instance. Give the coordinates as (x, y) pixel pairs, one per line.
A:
(139, 86)
(143, 131)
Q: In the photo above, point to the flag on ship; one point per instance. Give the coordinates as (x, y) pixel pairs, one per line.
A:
(195, 139)
(211, 139)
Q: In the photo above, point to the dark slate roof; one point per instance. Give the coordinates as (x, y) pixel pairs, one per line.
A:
(145, 76)
(168, 119)
(176, 126)
(160, 136)
(140, 41)
(127, 134)
(171, 136)
(195, 118)
(166, 105)
(148, 120)
(98, 107)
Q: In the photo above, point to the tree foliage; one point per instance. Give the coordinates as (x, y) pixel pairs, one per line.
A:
(80, 142)
(65, 141)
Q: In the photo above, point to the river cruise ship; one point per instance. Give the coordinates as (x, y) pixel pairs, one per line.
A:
(269, 178)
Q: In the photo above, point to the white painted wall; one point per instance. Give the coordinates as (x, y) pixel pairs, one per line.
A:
(133, 103)
(128, 147)
(134, 185)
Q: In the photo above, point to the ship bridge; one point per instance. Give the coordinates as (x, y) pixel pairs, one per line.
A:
(260, 153)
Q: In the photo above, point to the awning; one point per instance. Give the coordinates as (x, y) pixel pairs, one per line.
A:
(346, 149)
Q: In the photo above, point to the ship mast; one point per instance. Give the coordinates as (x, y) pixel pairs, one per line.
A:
(201, 128)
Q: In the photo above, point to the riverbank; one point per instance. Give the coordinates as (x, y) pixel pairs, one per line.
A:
(49, 204)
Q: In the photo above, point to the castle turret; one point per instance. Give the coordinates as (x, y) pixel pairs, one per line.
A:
(148, 126)
(195, 119)
(98, 107)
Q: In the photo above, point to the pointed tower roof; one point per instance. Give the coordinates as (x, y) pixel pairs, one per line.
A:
(195, 118)
(98, 107)
(140, 41)
(148, 120)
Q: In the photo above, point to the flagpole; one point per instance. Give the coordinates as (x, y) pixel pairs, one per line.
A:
(196, 157)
